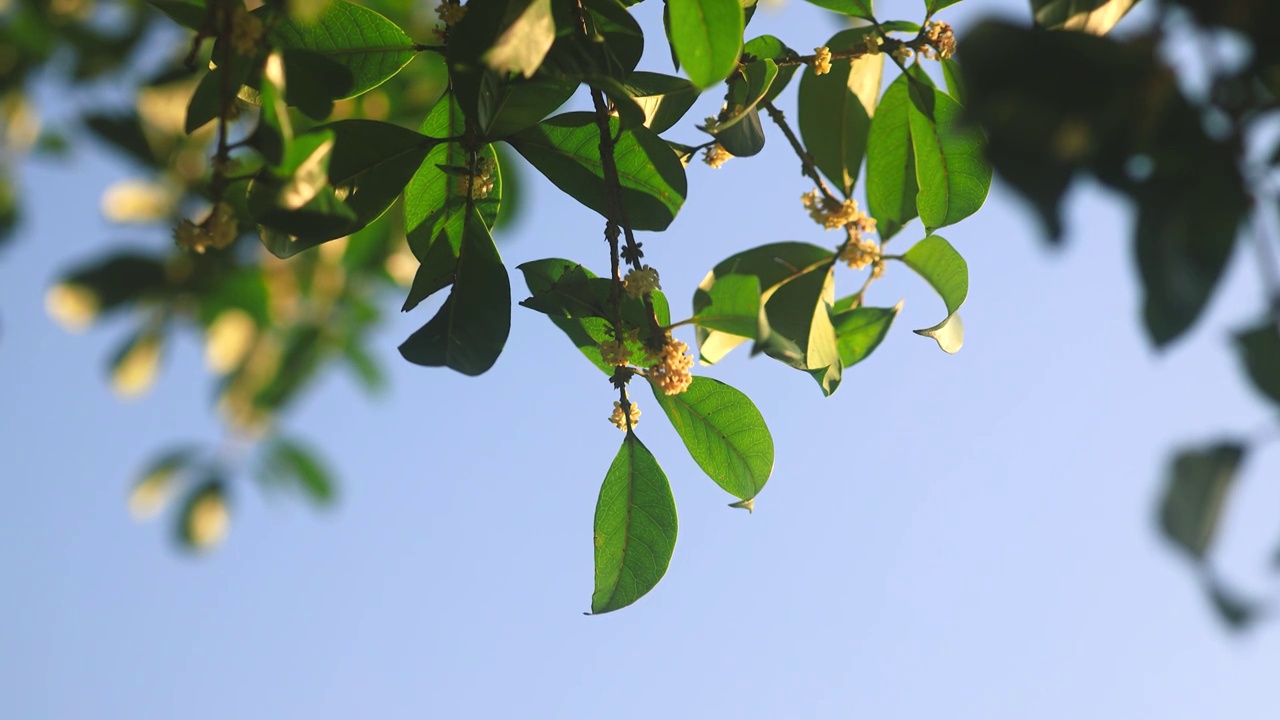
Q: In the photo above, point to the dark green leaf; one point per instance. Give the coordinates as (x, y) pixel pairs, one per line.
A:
(1235, 610)
(370, 46)
(612, 46)
(124, 133)
(836, 109)
(852, 8)
(800, 311)
(946, 271)
(470, 329)
(190, 14)
(566, 149)
(706, 36)
(1197, 487)
(934, 6)
(663, 98)
(891, 165)
(724, 432)
(747, 87)
(274, 132)
(635, 528)
(314, 82)
(860, 331)
(951, 168)
(744, 138)
(1260, 350)
(771, 265)
(507, 107)
(1095, 17)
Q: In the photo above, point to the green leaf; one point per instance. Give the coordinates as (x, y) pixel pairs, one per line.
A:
(370, 46)
(744, 138)
(747, 87)
(891, 164)
(289, 463)
(1260, 350)
(124, 133)
(434, 206)
(706, 36)
(1198, 484)
(852, 8)
(315, 81)
(954, 79)
(800, 311)
(635, 528)
(470, 329)
(951, 168)
(771, 48)
(507, 107)
(1184, 238)
(724, 432)
(101, 286)
(735, 308)
(946, 271)
(525, 42)
(836, 109)
(580, 304)
(566, 149)
(274, 133)
(1095, 17)
(934, 6)
(771, 265)
(612, 46)
(1234, 609)
(663, 98)
(190, 14)
(860, 331)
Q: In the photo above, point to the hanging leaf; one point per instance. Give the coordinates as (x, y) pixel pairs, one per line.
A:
(768, 47)
(891, 164)
(946, 271)
(860, 330)
(799, 310)
(744, 138)
(836, 109)
(1260, 350)
(724, 432)
(951, 168)
(1198, 484)
(370, 46)
(635, 528)
(934, 6)
(852, 8)
(706, 36)
(288, 463)
(735, 308)
(469, 331)
(771, 265)
(566, 149)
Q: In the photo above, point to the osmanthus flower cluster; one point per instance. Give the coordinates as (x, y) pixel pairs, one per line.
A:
(289, 156)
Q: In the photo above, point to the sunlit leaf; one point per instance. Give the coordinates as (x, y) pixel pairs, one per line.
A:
(205, 517)
(946, 271)
(635, 528)
(724, 432)
(852, 8)
(799, 310)
(891, 164)
(663, 98)
(770, 47)
(735, 308)
(860, 331)
(706, 36)
(522, 44)
(1095, 17)
(951, 168)
(370, 46)
(836, 109)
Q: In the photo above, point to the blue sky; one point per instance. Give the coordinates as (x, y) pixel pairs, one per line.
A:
(965, 536)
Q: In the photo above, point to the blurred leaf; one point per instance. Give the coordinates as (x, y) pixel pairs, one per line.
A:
(1260, 350)
(860, 331)
(836, 109)
(118, 279)
(1096, 17)
(205, 518)
(771, 265)
(189, 14)
(370, 46)
(522, 44)
(951, 168)
(891, 164)
(137, 362)
(315, 80)
(724, 433)
(156, 483)
(635, 528)
(289, 463)
(706, 36)
(566, 149)
(470, 329)
(1233, 609)
(367, 369)
(1197, 487)
(124, 133)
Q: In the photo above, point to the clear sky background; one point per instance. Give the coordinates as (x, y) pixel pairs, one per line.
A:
(965, 536)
